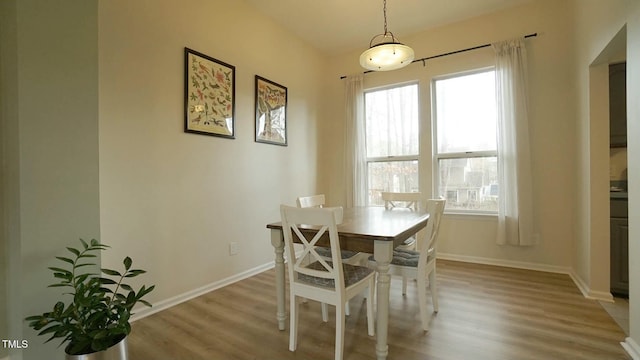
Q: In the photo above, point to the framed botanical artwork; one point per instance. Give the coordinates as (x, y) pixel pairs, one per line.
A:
(209, 95)
(271, 112)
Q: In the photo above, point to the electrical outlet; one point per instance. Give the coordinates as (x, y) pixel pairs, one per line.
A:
(233, 248)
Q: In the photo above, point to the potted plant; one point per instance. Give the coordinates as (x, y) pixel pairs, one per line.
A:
(96, 321)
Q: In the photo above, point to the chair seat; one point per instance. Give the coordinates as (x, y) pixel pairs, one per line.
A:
(408, 258)
(352, 275)
(410, 241)
(409, 244)
(405, 258)
(326, 253)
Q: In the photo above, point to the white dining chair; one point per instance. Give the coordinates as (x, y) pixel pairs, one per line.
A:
(331, 282)
(404, 200)
(421, 264)
(348, 256)
(316, 201)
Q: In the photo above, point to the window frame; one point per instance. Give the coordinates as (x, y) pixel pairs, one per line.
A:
(391, 158)
(437, 157)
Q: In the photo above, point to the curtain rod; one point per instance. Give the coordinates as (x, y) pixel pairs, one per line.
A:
(447, 54)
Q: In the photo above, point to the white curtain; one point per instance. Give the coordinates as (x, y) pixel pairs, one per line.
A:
(515, 214)
(354, 138)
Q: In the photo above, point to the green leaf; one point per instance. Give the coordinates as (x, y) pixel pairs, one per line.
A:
(107, 281)
(111, 272)
(126, 287)
(57, 269)
(83, 265)
(127, 263)
(82, 278)
(84, 244)
(74, 251)
(134, 273)
(50, 329)
(67, 260)
(144, 291)
(59, 285)
(62, 276)
(58, 308)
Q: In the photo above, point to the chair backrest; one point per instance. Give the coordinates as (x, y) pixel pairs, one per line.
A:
(294, 221)
(311, 201)
(435, 208)
(410, 200)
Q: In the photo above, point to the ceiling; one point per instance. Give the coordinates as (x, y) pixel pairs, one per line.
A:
(344, 25)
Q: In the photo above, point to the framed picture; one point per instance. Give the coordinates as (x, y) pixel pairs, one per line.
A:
(271, 112)
(209, 95)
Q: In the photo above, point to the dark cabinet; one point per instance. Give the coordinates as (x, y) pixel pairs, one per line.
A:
(619, 270)
(618, 105)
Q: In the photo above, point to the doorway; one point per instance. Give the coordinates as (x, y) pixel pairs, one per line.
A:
(608, 200)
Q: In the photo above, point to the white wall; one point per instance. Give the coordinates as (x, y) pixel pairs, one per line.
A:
(50, 154)
(173, 201)
(551, 118)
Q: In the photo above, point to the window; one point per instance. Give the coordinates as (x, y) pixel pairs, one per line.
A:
(465, 156)
(392, 145)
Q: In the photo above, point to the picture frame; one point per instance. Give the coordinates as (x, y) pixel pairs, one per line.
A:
(209, 95)
(271, 112)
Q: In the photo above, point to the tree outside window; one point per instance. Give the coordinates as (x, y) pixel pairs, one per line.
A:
(392, 141)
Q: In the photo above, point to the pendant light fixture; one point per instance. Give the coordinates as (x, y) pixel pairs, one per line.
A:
(385, 51)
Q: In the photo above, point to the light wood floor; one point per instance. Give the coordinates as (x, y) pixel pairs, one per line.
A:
(486, 312)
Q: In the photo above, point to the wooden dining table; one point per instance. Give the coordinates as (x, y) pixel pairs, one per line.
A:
(364, 229)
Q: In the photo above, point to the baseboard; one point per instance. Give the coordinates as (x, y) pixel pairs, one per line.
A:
(632, 348)
(505, 263)
(165, 304)
(587, 292)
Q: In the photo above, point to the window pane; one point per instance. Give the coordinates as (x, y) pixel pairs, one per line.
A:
(396, 176)
(466, 113)
(469, 183)
(392, 121)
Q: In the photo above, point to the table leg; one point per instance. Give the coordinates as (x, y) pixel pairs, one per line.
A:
(278, 243)
(382, 252)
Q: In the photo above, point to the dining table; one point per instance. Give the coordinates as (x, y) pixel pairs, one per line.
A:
(369, 229)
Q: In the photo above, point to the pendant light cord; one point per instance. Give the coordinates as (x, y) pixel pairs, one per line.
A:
(384, 12)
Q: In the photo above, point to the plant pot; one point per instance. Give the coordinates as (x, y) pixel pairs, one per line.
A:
(118, 351)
